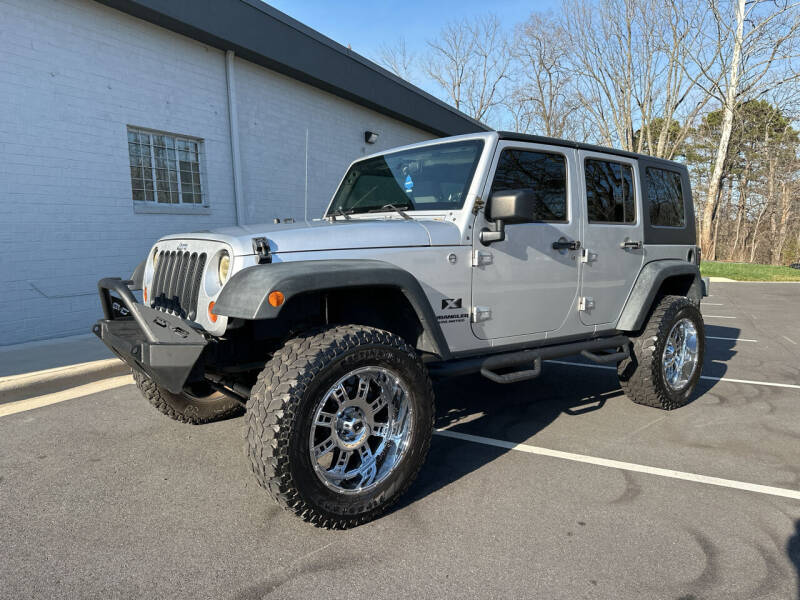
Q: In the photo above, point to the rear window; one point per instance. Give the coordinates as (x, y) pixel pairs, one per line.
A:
(609, 192)
(542, 172)
(665, 198)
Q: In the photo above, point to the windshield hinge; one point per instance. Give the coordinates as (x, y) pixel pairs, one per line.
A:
(262, 251)
(477, 206)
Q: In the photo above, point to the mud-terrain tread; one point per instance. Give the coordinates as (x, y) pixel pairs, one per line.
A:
(150, 391)
(271, 413)
(641, 385)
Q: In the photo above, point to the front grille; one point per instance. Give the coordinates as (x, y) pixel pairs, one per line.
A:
(176, 282)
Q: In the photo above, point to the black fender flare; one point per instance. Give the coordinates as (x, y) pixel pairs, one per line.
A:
(245, 296)
(644, 291)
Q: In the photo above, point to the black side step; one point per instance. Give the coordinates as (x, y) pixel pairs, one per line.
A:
(595, 349)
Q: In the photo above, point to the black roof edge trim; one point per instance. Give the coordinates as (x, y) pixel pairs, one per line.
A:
(267, 37)
(539, 139)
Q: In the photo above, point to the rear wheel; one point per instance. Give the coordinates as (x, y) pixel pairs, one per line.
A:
(667, 357)
(197, 404)
(339, 424)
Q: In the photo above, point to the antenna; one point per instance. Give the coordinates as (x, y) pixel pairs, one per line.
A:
(305, 200)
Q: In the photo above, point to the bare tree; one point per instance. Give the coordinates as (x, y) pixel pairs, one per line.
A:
(397, 59)
(629, 61)
(762, 45)
(541, 97)
(469, 60)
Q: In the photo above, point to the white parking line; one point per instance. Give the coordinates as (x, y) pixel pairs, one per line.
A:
(717, 317)
(625, 466)
(788, 340)
(103, 385)
(712, 304)
(711, 337)
(708, 377)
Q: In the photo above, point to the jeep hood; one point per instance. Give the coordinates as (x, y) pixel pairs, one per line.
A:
(339, 235)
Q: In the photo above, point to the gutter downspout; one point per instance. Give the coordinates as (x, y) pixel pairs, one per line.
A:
(233, 120)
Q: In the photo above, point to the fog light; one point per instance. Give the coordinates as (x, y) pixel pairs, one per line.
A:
(275, 298)
(211, 316)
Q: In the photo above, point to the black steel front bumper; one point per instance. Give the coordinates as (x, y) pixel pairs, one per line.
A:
(163, 346)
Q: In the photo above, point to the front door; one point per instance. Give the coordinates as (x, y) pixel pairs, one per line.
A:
(523, 285)
(612, 238)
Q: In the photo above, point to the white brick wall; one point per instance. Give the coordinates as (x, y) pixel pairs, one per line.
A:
(73, 75)
(274, 113)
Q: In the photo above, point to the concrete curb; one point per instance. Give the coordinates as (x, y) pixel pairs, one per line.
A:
(37, 383)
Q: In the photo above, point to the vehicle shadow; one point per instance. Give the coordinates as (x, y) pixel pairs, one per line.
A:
(721, 347)
(517, 412)
(512, 413)
(793, 551)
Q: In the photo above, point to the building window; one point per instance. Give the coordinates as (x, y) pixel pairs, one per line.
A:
(665, 198)
(542, 172)
(609, 192)
(165, 169)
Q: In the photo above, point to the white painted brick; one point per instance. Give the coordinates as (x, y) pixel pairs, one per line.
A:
(73, 75)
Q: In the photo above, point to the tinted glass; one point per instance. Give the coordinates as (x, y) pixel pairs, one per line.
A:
(428, 178)
(609, 192)
(665, 197)
(544, 173)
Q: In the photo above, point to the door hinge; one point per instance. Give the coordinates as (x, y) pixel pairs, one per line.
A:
(481, 258)
(585, 303)
(480, 314)
(588, 256)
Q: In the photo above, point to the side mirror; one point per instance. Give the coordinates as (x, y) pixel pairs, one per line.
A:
(508, 206)
(512, 206)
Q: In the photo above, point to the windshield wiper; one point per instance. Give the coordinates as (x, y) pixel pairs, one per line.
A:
(399, 211)
(340, 213)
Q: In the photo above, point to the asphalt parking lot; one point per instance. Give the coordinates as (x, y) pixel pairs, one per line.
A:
(103, 497)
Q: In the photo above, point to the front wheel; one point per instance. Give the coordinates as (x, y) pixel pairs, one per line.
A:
(339, 423)
(667, 357)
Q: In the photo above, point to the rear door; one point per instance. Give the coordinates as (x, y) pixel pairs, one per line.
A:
(612, 241)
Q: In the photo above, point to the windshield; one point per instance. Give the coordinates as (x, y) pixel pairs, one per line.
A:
(429, 178)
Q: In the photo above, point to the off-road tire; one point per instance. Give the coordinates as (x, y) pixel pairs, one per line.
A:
(186, 408)
(280, 413)
(641, 375)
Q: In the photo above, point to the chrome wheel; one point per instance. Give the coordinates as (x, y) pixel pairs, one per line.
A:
(680, 354)
(361, 430)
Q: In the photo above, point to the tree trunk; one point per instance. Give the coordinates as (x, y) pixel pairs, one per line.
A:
(755, 232)
(712, 197)
(740, 211)
(783, 228)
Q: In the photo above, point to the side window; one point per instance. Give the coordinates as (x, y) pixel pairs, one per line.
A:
(609, 192)
(544, 173)
(665, 198)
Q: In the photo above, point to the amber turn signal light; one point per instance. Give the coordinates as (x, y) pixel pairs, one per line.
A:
(145, 294)
(211, 316)
(275, 298)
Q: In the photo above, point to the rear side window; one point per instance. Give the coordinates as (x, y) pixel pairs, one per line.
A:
(665, 198)
(542, 172)
(609, 192)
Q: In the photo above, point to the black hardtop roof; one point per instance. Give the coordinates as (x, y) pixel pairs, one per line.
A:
(540, 139)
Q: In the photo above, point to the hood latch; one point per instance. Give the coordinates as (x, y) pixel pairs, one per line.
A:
(261, 248)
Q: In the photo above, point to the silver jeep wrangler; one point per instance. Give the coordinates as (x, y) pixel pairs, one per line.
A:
(486, 253)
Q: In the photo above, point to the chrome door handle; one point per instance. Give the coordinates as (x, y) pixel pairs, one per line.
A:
(628, 245)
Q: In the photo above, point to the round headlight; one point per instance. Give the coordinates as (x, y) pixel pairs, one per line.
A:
(224, 267)
(155, 258)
